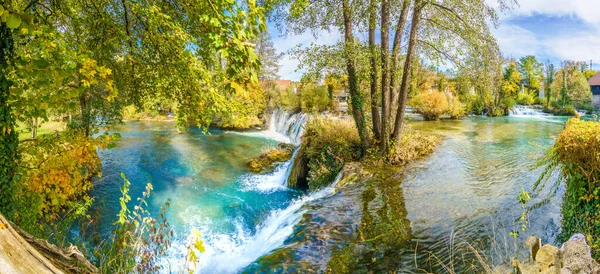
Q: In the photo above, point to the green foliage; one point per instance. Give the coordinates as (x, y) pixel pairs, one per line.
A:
(525, 99)
(313, 97)
(138, 241)
(511, 81)
(576, 154)
(523, 198)
(328, 145)
(532, 72)
(8, 136)
(508, 103)
(570, 86)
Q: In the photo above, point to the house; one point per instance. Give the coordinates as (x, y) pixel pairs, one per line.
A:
(595, 87)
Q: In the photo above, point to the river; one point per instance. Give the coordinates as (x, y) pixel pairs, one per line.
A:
(465, 192)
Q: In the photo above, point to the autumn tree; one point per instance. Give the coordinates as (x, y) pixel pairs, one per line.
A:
(438, 31)
(571, 86)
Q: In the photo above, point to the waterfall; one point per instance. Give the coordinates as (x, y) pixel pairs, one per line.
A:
(526, 111)
(283, 127)
(227, 254)
(289, 125)
(231, 252)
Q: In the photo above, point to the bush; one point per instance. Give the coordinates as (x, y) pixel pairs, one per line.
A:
(430, 104)
(456, 109)
(496, 111)
(508, 103)
(314, 98)
(587, 107)
(525, 99)
(414, 145)
(474, 104)
(327, 146)
(577, 154)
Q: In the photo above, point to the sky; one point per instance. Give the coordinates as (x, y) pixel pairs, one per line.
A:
(552, 30)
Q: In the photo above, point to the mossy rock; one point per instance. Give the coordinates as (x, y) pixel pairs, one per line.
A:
(268, 160)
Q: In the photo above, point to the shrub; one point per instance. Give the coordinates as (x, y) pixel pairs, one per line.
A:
(314, 98)
(430, 104)
(587, 107)
(508, 103)
(456, 109)
(54, 177)
(577, 154)
(475, 104)
(327, 145)
(414, 145)
(525, 99)
(138, 241)
(496, 111)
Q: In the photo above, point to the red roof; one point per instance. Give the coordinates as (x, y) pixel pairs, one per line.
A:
(595, 80)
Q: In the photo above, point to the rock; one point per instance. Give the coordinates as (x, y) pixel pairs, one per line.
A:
(547, 257)
(528, 268)
(595, 267)
(552, 270)
(502, 269)
(577, 256)
(534, 244)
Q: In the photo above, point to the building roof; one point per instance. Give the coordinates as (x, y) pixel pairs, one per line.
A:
(595, 80)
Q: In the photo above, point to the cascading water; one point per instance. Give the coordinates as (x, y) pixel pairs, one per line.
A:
(283, 127)
(290, 125)
(526, 111)
(231, 252)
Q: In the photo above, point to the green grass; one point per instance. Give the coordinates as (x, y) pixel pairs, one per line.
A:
(45, 129)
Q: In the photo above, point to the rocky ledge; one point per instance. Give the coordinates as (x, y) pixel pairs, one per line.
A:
(574, 257)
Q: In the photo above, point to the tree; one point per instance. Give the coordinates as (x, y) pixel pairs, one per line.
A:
(571, 85)
(532, 72)
(550, 75)
(8, 135)
(511, 80)
(268, 56)
(450, 31)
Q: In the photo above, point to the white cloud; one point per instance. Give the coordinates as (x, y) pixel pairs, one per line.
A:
(579, 42)
(516, 41)
(285, 43)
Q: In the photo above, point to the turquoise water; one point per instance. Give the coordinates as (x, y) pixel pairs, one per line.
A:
(204, 178)
(465, 191)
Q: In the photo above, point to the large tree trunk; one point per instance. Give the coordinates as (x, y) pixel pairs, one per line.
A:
(374, 71)
(396, 55)
(414, 29)
(385, 73)
(355, 97)
(9, 140)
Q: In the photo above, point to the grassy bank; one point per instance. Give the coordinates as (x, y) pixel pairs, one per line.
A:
(576, 154)
(328, 144)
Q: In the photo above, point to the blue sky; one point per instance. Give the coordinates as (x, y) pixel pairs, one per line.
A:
(552, 30)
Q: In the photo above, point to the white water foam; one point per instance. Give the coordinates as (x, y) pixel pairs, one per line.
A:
(527, 112)
(283, 127)
(230, 253)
